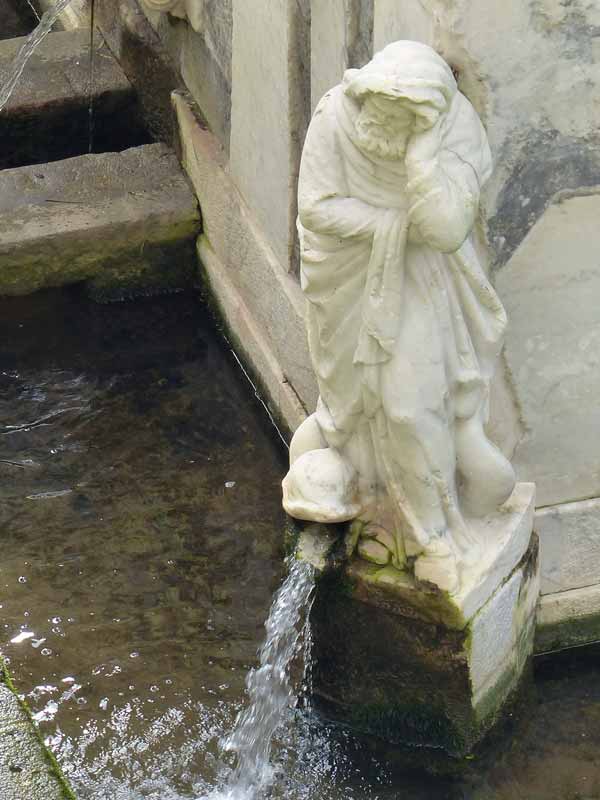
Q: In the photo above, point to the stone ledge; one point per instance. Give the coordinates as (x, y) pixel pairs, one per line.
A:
(568, 619)
(122, 220)
(238, 256)
(248, 341)
(27, 770)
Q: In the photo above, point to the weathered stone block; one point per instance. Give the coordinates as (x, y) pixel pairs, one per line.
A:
(47, 116)
(124, 221)
(413, 664)
(390, 669)
(262, 306)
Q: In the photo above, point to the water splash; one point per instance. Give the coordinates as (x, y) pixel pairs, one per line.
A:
(33, 40)
(269, 686)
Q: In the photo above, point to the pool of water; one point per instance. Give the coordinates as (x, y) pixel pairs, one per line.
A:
(142, 543)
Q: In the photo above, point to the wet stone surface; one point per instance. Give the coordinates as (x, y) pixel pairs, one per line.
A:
(25, 771)
(142, 539)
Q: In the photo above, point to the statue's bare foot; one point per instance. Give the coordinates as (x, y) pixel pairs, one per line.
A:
(377, 545)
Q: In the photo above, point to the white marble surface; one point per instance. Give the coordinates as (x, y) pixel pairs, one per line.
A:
(329, 46)
(191, 10)
(569, 545)
(551, 287)
(268, 116)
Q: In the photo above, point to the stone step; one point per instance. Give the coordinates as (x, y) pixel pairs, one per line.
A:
(124, 222)
(47, 115)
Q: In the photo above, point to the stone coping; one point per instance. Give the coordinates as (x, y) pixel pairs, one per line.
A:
(28, 771)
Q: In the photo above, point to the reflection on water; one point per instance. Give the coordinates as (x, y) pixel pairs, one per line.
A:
(141, 529)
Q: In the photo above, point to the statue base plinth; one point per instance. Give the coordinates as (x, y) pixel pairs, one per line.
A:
(401, 659)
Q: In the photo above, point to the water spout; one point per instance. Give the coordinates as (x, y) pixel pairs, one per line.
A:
(269, 686)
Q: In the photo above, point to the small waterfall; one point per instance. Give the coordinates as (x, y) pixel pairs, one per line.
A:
(269, 687)
(33, 40)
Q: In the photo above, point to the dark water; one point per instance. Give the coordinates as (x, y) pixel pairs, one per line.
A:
(17, 18)
(141, 544)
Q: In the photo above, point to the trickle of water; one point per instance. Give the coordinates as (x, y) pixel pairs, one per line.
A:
(269, 687)
(33, 40)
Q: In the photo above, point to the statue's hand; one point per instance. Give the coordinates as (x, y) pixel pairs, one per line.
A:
(424, 146)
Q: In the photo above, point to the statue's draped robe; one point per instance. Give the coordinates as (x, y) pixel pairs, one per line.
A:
(404, 326)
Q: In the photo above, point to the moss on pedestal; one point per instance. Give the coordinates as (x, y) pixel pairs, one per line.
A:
(391, 660)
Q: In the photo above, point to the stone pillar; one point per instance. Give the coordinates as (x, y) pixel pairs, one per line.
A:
(341, 34)
(269, 112)
(406, 20)
(403, 660)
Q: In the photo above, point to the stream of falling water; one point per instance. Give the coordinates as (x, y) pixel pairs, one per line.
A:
(269, 687)
(33, 40)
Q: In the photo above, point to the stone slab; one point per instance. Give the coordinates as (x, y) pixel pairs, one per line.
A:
(341, 33)
(550, 288)
(118, 219)
(75, 15)
(203, 57)
(270, 106)
(243, 267)
(145, 60)
(47, 116)
(27, 772)
(249, 342)
(568, 619)
(569, 545)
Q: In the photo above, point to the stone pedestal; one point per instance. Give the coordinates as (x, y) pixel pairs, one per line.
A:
(402, 659)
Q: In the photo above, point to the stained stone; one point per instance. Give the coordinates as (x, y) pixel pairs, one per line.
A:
(120, 220)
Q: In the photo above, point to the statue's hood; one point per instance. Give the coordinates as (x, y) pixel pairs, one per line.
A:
(411, 70)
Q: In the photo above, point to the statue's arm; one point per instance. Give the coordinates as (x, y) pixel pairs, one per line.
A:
(444, 197)
(339, 216)
(324, 202)
(446, 167)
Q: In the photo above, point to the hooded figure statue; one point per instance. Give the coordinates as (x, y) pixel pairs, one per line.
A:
(404, 327)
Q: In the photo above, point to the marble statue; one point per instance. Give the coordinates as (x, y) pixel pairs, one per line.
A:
(404, 327)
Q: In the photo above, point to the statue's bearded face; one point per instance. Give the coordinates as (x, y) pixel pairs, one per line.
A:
(384, 125)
